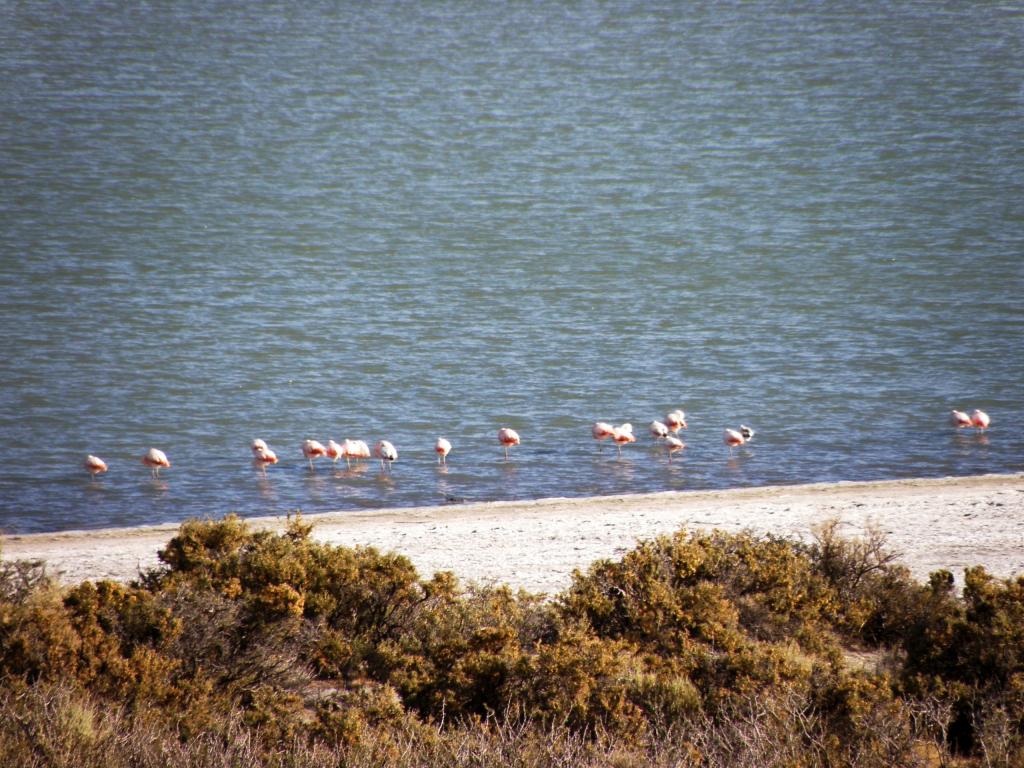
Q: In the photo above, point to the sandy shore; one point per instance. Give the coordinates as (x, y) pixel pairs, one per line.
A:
(936, 523)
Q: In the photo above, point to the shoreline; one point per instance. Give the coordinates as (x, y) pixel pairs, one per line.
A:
(950, 523)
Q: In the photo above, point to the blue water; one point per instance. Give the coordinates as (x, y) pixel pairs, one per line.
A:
(226, 220)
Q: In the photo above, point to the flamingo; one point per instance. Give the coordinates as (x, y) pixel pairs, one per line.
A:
(334, 451)
(155, 459)
(733, 439)
(508, 437)
(442, 447)
(675, 421)
(360, 450)
(348, 451)
(312, 449)
(959, 419)
(673, 444)
(94, 465)
(601, 432)
(659, 431)
(623, 434)
(386, 452)
(980, 420)
(262, 455)
(354, 449)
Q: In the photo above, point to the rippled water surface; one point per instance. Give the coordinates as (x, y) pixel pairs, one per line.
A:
(226, 220)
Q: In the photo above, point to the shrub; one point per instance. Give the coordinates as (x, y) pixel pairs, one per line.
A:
(875, 597)
(253, 648)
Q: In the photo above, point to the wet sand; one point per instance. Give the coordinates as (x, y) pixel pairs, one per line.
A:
(947, 523)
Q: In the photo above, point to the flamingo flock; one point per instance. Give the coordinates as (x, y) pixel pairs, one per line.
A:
(662, 432)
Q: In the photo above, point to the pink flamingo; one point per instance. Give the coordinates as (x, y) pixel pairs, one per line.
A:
(674, 445)
(601, 431)
(94, 465)
(733, 439)
(959, 419)
(442, 448)
(262, 455)
(155, 459)
(312, 449)
(980, 420)
(386, 452)
(356, 449)
(675, 421)
(334, 451)
(508, 437)
(659, 431)
(622, 435)
(346, 451)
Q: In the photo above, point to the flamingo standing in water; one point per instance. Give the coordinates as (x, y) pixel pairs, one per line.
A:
(354, 449)
(674, 445)
(313, 449)
(622, 435)
(442, 448)
(980, 420)
(362, 450)
(155, 459)
(94, 465)
(334, 451)
(262, 455)
(733, 439)
(959, 419)
(508, 437)
(601, 431)
(659, 431)
(386, 452)
(675, 421)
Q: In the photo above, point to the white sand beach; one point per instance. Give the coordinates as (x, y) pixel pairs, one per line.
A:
(947, 523)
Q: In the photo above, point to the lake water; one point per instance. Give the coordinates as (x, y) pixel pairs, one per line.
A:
(227, 220)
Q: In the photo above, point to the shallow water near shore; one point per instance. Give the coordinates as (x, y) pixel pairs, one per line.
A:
(221, 221)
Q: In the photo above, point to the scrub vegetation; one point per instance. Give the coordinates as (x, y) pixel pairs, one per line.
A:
(251, 648)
